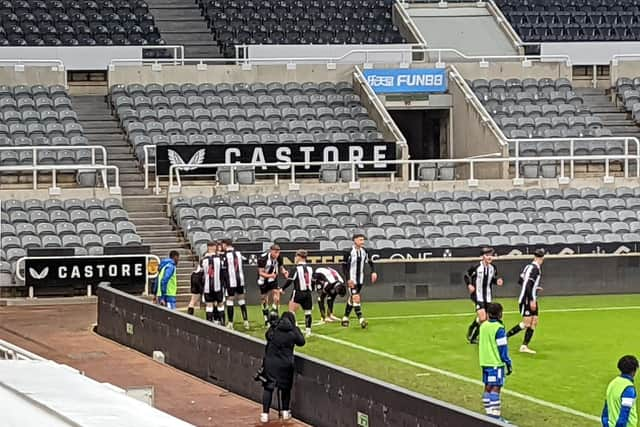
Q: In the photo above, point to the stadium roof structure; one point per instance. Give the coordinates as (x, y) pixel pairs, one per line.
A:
(41, 392)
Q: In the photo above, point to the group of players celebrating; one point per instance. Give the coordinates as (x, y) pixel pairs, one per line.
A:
(219, 281)
(487, 328)
(480, 280)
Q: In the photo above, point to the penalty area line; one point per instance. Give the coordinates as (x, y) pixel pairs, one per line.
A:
(453, 375)
(551, 310)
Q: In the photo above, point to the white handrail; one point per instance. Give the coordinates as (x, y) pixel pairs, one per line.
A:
(54, 169)
(55, 64)
(291, 167)
(409, 49)
(35, 149)
(504, 23)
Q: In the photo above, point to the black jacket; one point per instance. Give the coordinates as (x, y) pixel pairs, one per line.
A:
(278, 358)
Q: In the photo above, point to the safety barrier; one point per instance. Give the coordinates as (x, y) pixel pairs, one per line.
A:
(96, 164)
(9, 351)
(323, 394)
(290, 169)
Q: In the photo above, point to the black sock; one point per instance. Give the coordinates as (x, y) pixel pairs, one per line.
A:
(516, 329)
(230, 313)
(210, 316)
(215, 315)
(265, 312)
(347, 310)
(243, 309)
(221, 315)
(330, 305)
(472, 328)
(358, 311)
(190, 311)
(528, 335)
(307, 321)
(321, 308)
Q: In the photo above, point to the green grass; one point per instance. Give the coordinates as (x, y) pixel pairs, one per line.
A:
(577, 352)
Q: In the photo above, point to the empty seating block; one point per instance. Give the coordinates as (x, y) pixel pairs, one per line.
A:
(588, 20)
(425, 219)
(85, 225)
(39, 115)
(238, 113)
(239, 22)
(77, 23)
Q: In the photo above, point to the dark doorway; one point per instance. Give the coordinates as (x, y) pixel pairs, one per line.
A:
(426, 132)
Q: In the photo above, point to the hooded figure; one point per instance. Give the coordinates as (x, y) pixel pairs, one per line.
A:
(279, 363)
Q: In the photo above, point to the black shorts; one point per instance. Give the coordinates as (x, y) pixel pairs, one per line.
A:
(196, 288)
(214, 296)
(357, 290)
(231, 292)
(268, 287)
(525, 309)
(481, 305)
(304, 299)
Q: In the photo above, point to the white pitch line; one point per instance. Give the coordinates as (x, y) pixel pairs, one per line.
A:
(552, 310)
(457, 376)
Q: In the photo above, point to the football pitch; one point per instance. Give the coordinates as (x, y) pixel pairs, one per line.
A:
(421, 346)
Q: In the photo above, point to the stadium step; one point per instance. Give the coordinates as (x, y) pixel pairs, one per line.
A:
(101, 128)
(149, 214)
(614, 117)
(181, 23)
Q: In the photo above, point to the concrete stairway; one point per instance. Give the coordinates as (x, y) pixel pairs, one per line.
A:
(181, 23)
(149, 214)
(102, 128)
(614, 117)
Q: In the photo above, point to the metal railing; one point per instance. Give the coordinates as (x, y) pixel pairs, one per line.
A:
(289, 169)
(9, 351)
(505, 25)
(34, 167)
(437, 54)
(400, 7)
(54, 64)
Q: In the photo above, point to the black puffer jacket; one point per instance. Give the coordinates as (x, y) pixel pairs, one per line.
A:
(278, 358)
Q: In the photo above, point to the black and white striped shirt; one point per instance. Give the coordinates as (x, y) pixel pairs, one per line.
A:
(233, 268)
(270, 265)
(530, 281)
(482, 277)
(354, 263)
(212, 270)
(300, 279)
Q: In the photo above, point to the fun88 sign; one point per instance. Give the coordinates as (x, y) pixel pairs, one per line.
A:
(426, 80)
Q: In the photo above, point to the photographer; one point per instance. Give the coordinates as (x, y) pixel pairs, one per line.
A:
(278, 364)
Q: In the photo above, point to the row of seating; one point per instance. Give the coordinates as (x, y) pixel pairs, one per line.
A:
(514, 86)
(629, 95)
(538, 216)
(227, 89)
(231, 101)
(46, 157)
(22, 141)
(239, 22)
(588, 20)
(85, 225)
(272, 113)
(73, 23)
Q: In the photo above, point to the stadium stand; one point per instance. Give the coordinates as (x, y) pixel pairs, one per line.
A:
(265, 113)
(85, 225)
(301, 22)
(416, 219)
(590, 20)
(71, 23)
(39, 115)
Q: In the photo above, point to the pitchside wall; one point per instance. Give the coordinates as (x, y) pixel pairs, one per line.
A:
(323, 394)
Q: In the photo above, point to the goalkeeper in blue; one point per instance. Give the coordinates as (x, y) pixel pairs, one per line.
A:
(494, 359)
(620, 406)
